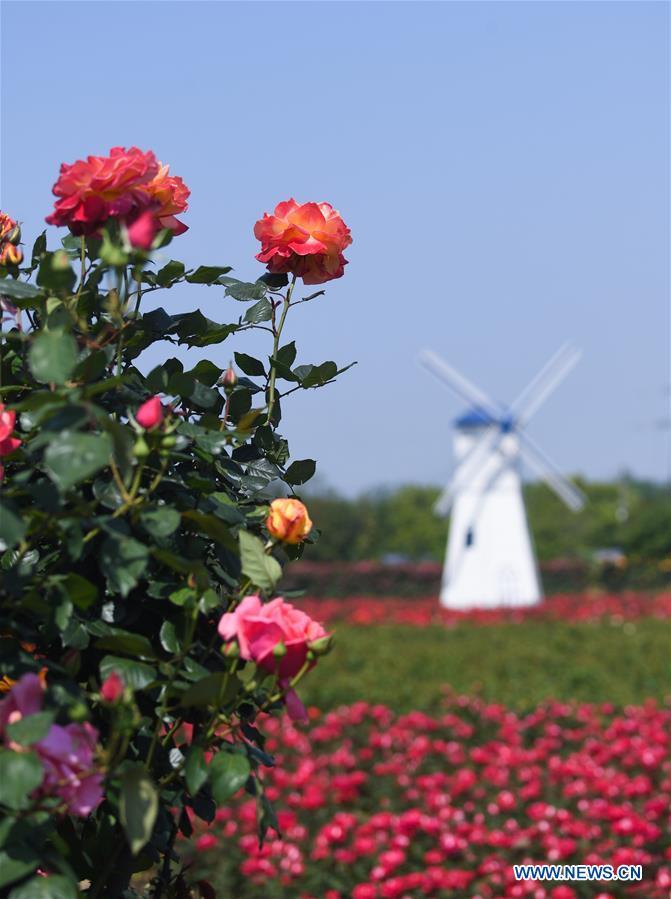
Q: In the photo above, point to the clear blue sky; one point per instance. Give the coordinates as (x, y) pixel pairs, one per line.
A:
(503, 168)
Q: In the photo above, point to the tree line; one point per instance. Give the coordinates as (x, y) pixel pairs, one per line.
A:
(630, 516)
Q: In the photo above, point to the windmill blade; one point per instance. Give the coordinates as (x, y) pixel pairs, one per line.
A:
(469, 464)
(546, 381)
(573, 497)
(458, 384)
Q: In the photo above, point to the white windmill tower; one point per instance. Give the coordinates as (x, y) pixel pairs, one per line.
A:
(490, 558)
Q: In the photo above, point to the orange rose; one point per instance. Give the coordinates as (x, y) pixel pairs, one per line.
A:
(288, 520)
(119, 186)
(170, 194)
(307, 241)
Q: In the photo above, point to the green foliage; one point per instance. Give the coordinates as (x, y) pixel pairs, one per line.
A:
(518, 664)
(632, 515)
(121, 546)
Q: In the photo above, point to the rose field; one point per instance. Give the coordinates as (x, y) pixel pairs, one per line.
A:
(487, 739)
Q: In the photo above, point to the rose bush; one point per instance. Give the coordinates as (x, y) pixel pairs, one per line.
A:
(133, 520)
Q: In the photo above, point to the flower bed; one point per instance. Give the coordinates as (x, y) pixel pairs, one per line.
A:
(424, 611)
(381, 806)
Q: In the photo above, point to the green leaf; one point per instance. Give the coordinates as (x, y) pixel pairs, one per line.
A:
(14, 868)
(275, 281)
(55, 886)
(320, 374)
(53, 357)
(300, 471)
(249, 364)
(168, 637)
(39, 248)
(20, 774)
(30, 729)
(170, 273)
(228, 773)
(259, 312)
(71, 457)
(195, 769)
(135, 675)
(128, 643)
(263, 570)
(212, 526)
(160, 521)
(82, 592)
(12, 527)
(240, 290)
(18, 290)
(123, 561)
(206, 372)
(55, 272)
(138, 806)
(287, 354)
(208, 691)
(208, 274)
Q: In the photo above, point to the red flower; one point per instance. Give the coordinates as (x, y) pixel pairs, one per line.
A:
(119, 186)
(150, 414)
(112, 688)
(7, 443)
(307, 241)
(207, 841)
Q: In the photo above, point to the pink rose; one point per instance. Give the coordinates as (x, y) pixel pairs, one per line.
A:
(67, 753)
(260, 628)
(150, 414)
(7, 443)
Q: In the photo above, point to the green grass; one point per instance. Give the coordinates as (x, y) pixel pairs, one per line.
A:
(516, 664)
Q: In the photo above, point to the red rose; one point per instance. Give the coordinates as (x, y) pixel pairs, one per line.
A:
(119, 186)
(259, 629)
(307, 241)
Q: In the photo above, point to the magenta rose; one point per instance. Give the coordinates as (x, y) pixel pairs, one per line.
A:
(67, 753)
(259, 628)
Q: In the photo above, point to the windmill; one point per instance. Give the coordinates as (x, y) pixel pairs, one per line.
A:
(490, 559)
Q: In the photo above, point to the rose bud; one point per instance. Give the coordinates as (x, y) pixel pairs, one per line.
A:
(288, 520)
(112, 689)
(143, 230)
(279, 650)
(322, 645)
(150, 413)
(229, 379)
(11, 255)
